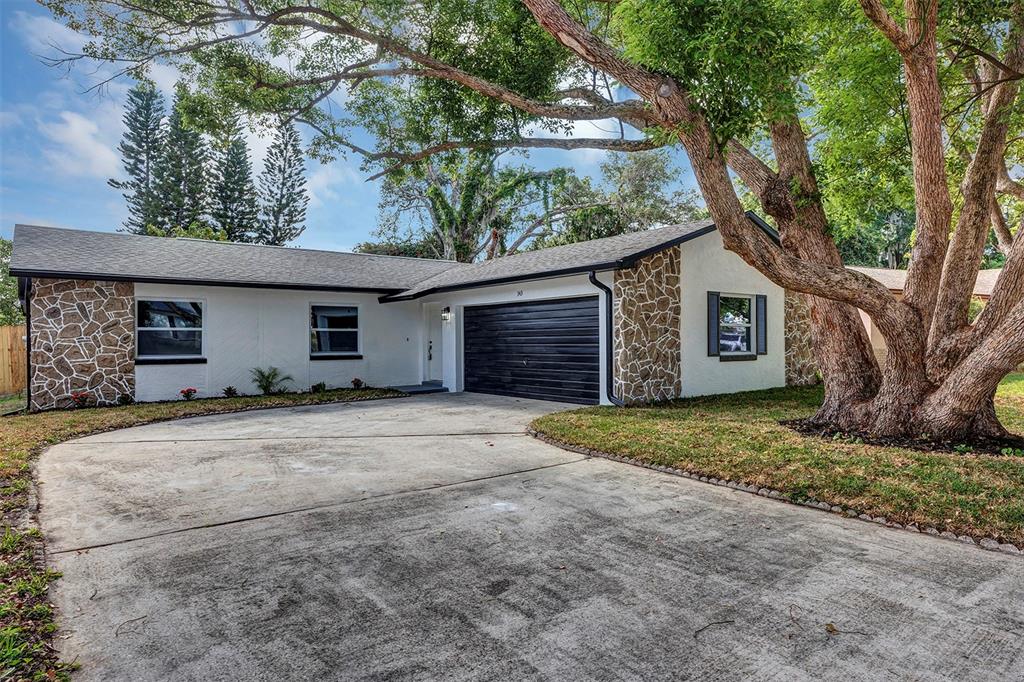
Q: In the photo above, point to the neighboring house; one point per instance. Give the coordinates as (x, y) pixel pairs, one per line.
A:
(142, 317)
(894, 281)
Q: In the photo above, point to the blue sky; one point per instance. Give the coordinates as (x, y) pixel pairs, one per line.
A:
(58, 145)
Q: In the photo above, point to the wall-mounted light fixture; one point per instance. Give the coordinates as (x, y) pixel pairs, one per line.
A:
(446, 314)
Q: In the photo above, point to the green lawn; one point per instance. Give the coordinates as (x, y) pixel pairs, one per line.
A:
(738, 437)
(11, 402)
(26, 618)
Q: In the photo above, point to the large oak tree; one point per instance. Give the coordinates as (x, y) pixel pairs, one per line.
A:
(735, 83)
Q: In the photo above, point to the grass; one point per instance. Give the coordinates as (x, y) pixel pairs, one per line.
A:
(12, 402)
(738, 437)
(26, 618)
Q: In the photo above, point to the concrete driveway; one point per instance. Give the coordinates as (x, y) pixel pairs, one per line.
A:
(430, 538)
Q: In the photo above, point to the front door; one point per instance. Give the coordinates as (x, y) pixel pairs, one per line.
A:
(434, 343)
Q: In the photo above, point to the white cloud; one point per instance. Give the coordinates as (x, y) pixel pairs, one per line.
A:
(9, 119)
(80, 149)
(41, 34)
(322, 182)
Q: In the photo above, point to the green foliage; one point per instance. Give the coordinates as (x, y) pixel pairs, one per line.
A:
(859, 114)
(407, 249)
(736, 58)
(10, 306)
(173, 190)
(283, 189)
(270, 380)
(636, 192)
(463, 206)
(141, 148)
(975, 308)
(883, 242)
(235, 211)
(198, 230)
(181, 174)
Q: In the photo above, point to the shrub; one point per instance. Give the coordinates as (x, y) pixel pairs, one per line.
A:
(270, 380)
(81, 398)
(125, 399)
(320, 387)
(188, 393)
(230, 392)
(358, 383)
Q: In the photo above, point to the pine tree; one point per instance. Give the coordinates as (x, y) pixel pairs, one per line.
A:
(283, 189)
(140, 153)
(235, 211)
(181, 175)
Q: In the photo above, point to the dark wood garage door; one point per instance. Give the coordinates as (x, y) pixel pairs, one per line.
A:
(546, 350)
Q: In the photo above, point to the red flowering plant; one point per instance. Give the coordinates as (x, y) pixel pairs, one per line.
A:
(188, 393)
(80, 398)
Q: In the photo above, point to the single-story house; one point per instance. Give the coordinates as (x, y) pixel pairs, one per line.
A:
(638, 317)
(894, 280)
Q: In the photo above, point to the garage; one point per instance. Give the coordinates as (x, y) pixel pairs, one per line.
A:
(547, 350)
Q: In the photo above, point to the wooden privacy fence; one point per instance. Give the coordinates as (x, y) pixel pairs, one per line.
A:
(12, 359)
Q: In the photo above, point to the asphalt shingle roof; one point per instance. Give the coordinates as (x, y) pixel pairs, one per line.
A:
(596, 254)
(894, 280)
(42, 251)
(57, 252)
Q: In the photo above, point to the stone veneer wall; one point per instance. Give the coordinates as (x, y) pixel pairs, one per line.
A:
(647, 329)
(801, 364)
(83, 339)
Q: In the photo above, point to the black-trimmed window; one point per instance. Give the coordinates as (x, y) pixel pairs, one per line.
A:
(169, 329)
(737, 325)
(333, 330)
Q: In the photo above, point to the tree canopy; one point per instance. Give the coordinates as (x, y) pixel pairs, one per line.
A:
(470, 206)
(10, 306)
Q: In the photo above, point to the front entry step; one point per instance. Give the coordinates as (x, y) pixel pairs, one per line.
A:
(420, 389)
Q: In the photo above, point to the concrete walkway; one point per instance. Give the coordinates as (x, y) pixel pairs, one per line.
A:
(428, 537)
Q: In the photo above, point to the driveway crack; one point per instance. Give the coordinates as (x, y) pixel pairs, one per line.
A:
(247, 438)
(327, 505)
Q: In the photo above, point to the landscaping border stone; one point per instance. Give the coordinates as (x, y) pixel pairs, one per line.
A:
(986, 543)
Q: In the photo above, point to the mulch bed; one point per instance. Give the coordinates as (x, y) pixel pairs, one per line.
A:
(1012, 446)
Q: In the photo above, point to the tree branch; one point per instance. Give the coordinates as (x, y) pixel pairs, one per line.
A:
(615, 145)
(754, 172)
(884, 22)
(963, 257)
(577, 39)
(1004, 238)
(553, 213)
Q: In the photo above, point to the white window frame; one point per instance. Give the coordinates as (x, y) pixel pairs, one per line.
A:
(752, 299)
(310, 329)
(167, 299)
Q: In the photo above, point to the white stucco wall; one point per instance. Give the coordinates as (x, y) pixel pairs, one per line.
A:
(246, 328)
(707, 266)
(560, 287)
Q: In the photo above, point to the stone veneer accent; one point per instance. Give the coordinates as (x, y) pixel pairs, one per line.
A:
(801, 364)
(647, 329)
(83, 339)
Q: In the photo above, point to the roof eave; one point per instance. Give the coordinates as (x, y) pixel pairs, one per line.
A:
(498, 281)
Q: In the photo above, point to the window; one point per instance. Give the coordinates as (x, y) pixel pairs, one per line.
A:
(169, 329)
(333, 329)
(734, 324)
(737, 326)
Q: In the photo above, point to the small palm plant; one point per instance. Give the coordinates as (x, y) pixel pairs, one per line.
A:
(269, 380)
